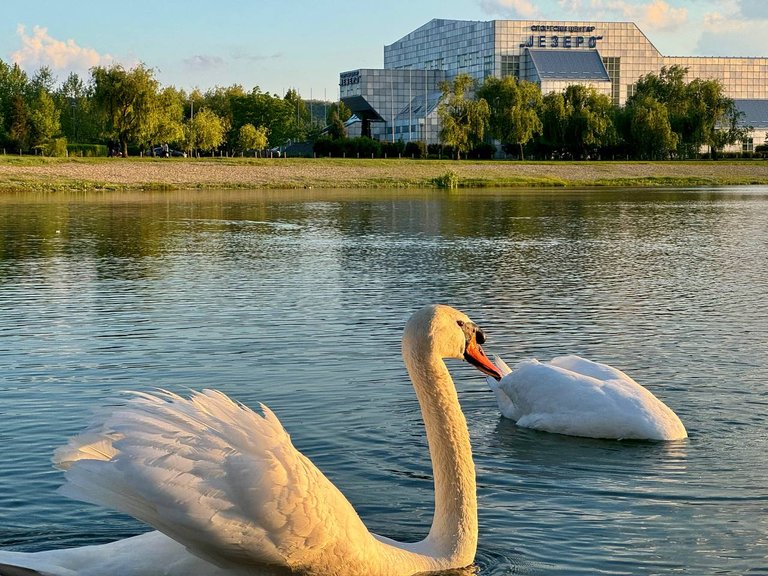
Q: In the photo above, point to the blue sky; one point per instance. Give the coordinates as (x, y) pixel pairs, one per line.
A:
(300, 44)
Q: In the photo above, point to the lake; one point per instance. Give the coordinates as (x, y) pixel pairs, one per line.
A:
(297, 299)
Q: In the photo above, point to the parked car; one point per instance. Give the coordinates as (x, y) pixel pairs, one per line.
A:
(164, 152)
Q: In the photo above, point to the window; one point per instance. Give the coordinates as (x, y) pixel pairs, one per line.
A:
(510, 65)
(748, 145)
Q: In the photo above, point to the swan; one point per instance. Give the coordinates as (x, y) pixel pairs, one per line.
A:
(578, 397)
(229, 494)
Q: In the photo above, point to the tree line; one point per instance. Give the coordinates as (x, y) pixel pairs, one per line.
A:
(128, 111)
(665, 117)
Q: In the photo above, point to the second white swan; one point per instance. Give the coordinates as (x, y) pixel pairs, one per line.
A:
(577, 397)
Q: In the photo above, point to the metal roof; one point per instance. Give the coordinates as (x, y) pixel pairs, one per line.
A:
(755, 112)
(568, 65)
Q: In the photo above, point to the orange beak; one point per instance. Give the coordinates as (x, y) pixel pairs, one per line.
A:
(474, 355)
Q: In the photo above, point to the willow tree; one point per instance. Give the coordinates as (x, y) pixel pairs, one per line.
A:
(462, 117)
(128, 100)
(514, 110)
(206, 131)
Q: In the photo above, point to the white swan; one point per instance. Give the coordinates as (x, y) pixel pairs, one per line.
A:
(229, 494)
(574, 396)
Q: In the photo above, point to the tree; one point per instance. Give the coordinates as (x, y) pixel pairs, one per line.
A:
(730, 130)
(43, 119)
(588, 120)
(514, 110)
(165, 118)
(553, 122)
(205, 131)
(252, 138)
(126, 98)
(650, 132)
(13, 114)
(463, 119)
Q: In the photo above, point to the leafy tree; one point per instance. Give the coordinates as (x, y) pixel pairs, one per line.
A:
(13, 117)
(43, 119)
(165, 118)
(336, 129)
(650, 131)
(588, 120)
(730, 130)
(205, 131)
(514, 110)
(19, 126)
(252, 138)
(553, 122)
(300, 118)
(463, 119)
(126, 98)
(340, 110)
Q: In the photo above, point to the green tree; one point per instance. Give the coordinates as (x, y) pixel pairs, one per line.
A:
(463, 118)
(340, 110)
(651, 134)
(165, 118)
(252, 138)
(514, 110)
(731, 128)
(43, 119)
(13, 114)
(127, 99)
(18, 124)
(588, 120)
(553, 122)
(205, 131)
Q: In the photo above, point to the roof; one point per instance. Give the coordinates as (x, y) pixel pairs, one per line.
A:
(568, 64)
(755, 112)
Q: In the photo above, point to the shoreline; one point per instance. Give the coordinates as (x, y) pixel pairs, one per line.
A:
(19, 174)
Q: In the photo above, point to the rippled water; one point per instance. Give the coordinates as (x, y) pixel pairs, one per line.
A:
(298, 299)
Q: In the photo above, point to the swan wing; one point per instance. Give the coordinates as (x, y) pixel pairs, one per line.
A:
(214, 475)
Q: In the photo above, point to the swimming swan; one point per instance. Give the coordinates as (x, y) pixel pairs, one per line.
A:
(574, 396)
(229, 494)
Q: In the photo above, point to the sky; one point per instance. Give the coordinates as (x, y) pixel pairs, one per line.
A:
(277, 45)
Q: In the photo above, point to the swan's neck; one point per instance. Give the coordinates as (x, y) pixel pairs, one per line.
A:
(454, 528)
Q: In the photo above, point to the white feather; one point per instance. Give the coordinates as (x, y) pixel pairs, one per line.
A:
(574, 396)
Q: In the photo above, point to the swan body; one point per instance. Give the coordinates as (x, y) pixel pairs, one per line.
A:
(229, 494)
(574, 396)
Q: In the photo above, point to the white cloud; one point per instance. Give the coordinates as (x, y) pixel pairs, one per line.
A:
(203, 62)
(652, 15)
(524, 9)
(41, 49)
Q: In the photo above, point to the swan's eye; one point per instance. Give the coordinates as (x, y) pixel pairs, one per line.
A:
(460, 323)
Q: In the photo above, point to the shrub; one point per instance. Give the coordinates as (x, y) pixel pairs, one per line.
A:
(449, 180)
(416, 149)
(87, 150)
(56, 147)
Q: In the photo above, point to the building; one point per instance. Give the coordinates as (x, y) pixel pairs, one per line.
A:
(399, 101)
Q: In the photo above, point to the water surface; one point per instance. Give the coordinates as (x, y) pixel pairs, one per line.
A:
(298, 299)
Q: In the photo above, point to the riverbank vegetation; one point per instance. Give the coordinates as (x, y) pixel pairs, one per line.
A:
(127, 112)
(30, 173)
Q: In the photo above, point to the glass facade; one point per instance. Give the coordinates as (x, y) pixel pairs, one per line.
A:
(508, 47)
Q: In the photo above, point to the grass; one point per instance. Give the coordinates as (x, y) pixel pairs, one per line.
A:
(35, 173)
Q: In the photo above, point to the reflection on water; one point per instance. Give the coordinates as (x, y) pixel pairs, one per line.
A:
(297, 299)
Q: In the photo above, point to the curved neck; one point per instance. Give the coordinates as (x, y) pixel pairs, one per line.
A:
(454, 527)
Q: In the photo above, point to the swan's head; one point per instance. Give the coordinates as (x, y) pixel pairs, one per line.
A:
(448, 333)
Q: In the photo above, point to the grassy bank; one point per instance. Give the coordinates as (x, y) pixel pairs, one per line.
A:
(92, 174)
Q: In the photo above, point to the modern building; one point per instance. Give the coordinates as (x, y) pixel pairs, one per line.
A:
(399, 101)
